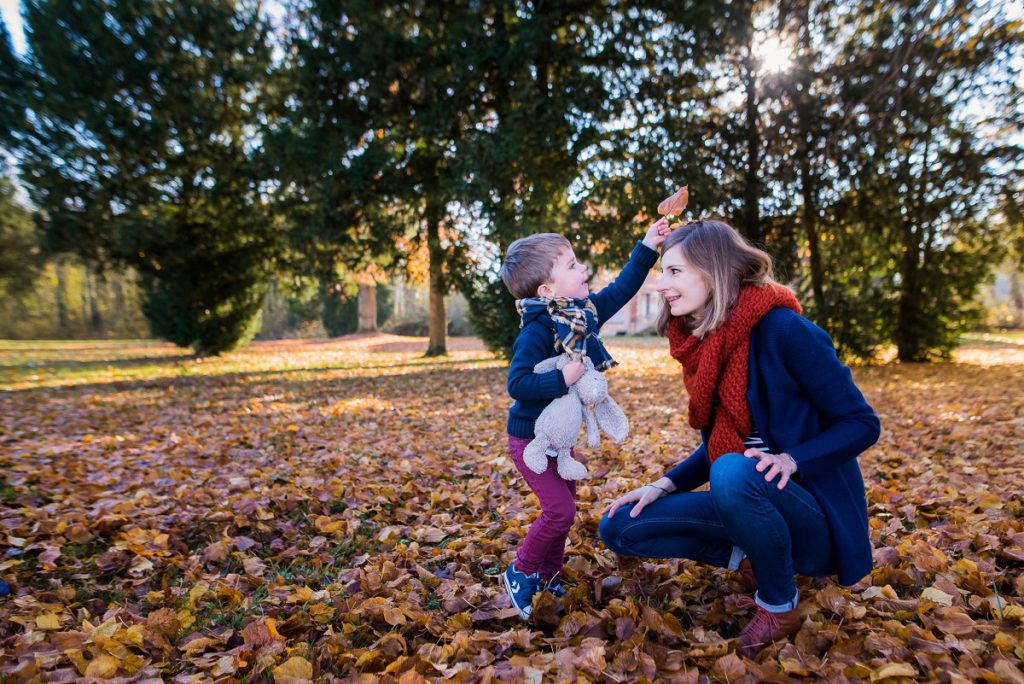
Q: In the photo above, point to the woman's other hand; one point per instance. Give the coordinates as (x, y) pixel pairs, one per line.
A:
(641, 496)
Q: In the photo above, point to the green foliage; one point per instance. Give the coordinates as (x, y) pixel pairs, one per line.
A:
(340, 311)
(210, 305)
(140, 153)
(492, 312)
(161, 140)
(19, 254)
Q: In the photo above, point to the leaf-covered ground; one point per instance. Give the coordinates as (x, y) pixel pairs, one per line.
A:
(316, 509)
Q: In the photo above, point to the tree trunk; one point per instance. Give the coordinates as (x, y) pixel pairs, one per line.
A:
(62, 297)
(751, 180)
(1017, 294)
(809, 220)
(437, 327)
(93, 288)
(367, 308)
(908, 328)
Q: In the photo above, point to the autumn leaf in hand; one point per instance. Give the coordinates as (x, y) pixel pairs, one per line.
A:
(675, 204)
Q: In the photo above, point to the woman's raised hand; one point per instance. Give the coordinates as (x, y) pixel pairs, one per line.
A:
(641, 496)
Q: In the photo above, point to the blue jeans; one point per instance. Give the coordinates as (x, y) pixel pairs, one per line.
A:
(782, 532)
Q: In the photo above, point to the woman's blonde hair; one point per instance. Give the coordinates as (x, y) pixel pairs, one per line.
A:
(727, 262)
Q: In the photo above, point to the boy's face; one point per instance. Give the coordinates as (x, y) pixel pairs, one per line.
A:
(568, 278)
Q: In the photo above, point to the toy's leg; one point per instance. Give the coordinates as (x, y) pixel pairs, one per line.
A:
(569, 468)
(535, 455)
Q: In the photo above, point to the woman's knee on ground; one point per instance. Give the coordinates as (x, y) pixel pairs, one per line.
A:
(610, 530)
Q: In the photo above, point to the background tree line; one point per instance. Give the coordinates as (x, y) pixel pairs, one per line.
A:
(212, 156)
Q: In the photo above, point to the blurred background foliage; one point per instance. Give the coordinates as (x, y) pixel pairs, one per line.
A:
(206, 172)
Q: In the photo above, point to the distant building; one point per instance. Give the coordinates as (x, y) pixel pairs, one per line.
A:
(639, 315)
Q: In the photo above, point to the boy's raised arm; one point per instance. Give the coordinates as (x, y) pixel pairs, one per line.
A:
(629, 281)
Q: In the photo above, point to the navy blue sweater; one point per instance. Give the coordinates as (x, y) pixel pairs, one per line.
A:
(804, 402)
(536, 342)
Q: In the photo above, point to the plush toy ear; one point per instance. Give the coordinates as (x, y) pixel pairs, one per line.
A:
(611, 419)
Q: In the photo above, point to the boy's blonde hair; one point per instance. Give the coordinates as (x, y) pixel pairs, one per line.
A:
(726, 261)
(529, 261)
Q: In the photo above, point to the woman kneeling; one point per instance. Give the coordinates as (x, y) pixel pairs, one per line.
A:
(781, 422)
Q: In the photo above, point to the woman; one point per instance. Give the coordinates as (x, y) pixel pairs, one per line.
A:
(781, 422)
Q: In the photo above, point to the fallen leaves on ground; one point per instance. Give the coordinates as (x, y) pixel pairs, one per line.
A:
(304, 510)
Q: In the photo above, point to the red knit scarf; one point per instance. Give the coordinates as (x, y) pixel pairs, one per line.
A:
(718, 363)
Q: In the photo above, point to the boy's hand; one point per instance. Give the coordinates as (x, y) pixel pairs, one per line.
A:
(572, 372)
(657, 233)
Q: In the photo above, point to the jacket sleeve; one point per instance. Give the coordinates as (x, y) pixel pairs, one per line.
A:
(692, 472)
(617, 293)
(529, 349)
(851, 425)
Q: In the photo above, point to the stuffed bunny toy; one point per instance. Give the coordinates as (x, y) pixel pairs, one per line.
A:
(558, 425)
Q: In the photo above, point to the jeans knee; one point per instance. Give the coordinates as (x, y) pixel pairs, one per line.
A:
(732, 477)
(608, 531)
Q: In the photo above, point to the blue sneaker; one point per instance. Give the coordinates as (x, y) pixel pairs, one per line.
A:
(4, 589)
(521, 588)
(556, 588)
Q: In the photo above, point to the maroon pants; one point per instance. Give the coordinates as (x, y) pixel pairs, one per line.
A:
(543, 549)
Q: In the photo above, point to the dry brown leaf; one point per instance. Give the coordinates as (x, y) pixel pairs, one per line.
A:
(675, 204)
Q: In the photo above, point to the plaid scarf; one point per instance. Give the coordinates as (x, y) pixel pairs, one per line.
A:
(575, 324)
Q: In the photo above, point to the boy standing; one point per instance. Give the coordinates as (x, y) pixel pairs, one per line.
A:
(558, 315)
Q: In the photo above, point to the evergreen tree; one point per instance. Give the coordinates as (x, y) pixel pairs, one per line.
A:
(327, 160)
(927, 176)
(139, 151)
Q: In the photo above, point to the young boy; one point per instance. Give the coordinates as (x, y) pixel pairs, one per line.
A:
(558, 314)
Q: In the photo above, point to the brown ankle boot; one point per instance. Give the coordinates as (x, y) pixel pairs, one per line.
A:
(765, 628)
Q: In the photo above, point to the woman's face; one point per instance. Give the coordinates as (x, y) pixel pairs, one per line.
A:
(684, 288)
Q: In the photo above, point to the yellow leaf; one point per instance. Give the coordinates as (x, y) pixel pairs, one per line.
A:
(294, 669)
(185, 619)
(937, 596)
(102, 666)
(48, 621)
(322, 613)
(893, 670)
(107, 629)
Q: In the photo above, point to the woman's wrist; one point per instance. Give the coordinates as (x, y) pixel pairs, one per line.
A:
(664, 484)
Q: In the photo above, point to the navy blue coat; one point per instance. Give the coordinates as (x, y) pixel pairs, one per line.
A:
(803, 402)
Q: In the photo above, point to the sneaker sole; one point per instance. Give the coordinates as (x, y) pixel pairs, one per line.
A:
(524, 614)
